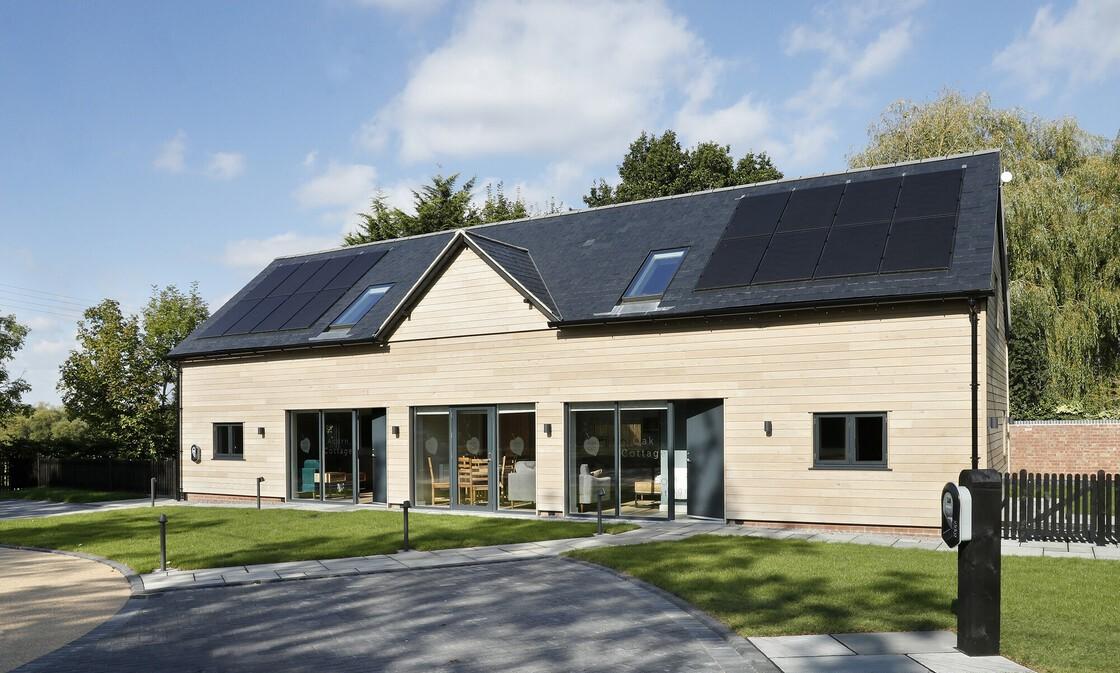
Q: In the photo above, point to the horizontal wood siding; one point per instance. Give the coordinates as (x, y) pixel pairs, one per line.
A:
(912, 362)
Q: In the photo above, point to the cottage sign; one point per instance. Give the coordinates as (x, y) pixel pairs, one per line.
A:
(956, 514)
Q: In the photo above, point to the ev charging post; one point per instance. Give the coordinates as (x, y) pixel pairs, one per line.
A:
(970, 519)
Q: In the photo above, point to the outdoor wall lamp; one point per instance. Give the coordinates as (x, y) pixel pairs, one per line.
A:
(396, 431)
(260, 431)
(548, 429)
(768, 427)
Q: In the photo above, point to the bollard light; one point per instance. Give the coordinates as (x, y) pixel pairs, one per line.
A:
(153, 491)
(599, 513)
(259, 480)
(404, 508)
(163, 542)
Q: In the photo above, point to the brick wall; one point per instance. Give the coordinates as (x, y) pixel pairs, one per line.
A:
(1065, 446)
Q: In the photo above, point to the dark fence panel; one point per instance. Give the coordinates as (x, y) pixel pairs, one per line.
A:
(109, 474)
(1061, 507)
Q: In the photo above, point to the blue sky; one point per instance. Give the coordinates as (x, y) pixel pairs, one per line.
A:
(154, 143)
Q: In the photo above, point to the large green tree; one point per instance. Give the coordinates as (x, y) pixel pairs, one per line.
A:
(1062, 213)
(118, 382)
(46, 427)
(658, 166)
(440, 206)
(12, 336)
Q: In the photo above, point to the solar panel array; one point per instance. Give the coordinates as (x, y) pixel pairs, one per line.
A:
(876, 226)
(294, 296)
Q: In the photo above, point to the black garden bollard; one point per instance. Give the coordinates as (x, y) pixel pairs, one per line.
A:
(163, 542)
(599, 512)
(259, 480)
(153, 491)
(404, 508)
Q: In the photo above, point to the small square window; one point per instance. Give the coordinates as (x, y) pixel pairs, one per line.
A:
(361, 306)
(850, 440)
(655, 275)
(229, 440)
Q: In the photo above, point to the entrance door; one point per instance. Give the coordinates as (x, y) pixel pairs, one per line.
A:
(472, 435)
(704, 443)
(322, 455)
(337, 476)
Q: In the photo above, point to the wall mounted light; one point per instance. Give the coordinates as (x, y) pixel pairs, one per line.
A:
(768, 427)
(993, 422)
(396, 431)
(548, 429)
(260, 431)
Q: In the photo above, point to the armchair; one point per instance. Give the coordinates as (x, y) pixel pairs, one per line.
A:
(521, 483)
(589, 486)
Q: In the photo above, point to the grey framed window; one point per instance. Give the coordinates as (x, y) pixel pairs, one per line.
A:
(229, 441)
(852, 440)
(655, 275)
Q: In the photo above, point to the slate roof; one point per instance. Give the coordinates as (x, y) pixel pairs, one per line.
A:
(575, 266)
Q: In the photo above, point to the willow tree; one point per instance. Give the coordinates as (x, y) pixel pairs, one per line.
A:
(1062, 214)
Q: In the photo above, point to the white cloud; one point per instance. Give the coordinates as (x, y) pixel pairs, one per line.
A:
(172, 154)
(225, 165)
(310, 159)
(52, 346)
(1080, 47)
(339, 185)
(401, 6)
(574, 79)
(255, 254)
(744, 125)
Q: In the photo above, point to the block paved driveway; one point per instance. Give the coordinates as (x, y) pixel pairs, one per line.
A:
(526, 616)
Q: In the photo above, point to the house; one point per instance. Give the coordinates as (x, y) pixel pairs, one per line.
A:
(798, 351)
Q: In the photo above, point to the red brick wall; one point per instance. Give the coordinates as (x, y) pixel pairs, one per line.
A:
(1065, 447)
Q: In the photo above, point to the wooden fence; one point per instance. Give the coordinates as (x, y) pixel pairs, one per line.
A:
(1061, 507)
(96, 474)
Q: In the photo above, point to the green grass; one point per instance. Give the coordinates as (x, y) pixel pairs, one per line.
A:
(66, 494)
(1059, 615)
(209, 537)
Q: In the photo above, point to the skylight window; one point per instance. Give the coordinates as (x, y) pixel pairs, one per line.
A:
(361, 306)
(654, 276)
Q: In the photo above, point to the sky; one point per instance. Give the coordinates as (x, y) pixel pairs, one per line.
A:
(147, 144)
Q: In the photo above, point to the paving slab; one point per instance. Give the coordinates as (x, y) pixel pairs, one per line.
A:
(957, 662)
(1021, 551)
(800, 646)
(1067, 554)
(883, 663)
(903, 642)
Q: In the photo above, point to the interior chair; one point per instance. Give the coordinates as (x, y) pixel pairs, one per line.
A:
(440, 485)
(307, 476)
(521, 483)
(589, 486)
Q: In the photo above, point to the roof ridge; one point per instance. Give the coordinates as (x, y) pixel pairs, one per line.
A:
(573, 211)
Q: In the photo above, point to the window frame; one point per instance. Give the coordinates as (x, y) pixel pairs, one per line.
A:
(849, 462)
(337, 325)
(626, 298)
(228, 427)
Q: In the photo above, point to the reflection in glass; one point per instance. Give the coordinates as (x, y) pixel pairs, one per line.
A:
(593, 456)
(472, 455)
(337, 476)
(305, 456)
(644, 459)
(432, 458)
(517, 448)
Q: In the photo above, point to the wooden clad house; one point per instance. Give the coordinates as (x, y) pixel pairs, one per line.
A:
(799, 351)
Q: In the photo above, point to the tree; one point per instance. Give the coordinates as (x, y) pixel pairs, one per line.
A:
(12, 336)
(46, 427)
(1062, 214)
(118, 381)
(440, 206)
(658, 166)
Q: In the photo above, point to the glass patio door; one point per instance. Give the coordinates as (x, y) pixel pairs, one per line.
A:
(323, 455)
(338, 455)
(472, 435)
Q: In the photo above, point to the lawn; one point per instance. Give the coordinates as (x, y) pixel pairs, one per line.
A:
(67, 494)
(1059, 615)
(209, 537)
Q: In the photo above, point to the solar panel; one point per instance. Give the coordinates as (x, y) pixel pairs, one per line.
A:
(811, 208)
(929, 194)
(231, 316)
(791, 256)
(733, 262)
(870, 201)
(269, 283)
(314, 309)
(326, 273)
(299, 276)
(255, 315)
(359, 265)
(853, 250)
(756, 215)
(924, 243)
(284, 312)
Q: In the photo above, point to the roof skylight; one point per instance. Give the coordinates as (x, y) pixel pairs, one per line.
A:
(361, 306)
(656, 273)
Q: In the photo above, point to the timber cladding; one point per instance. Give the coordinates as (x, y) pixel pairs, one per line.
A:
(1065, 447)
(911, 361)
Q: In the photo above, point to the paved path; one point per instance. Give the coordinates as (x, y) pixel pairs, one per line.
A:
(912, 652)
(49, 600)
(535, 616)
(23, 509)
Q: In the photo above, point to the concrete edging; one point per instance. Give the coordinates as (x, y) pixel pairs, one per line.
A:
(135, 584)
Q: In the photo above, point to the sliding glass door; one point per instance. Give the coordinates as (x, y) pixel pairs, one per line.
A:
(323, 454)
(337, 476)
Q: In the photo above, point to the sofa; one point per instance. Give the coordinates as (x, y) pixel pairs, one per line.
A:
(521, 483)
